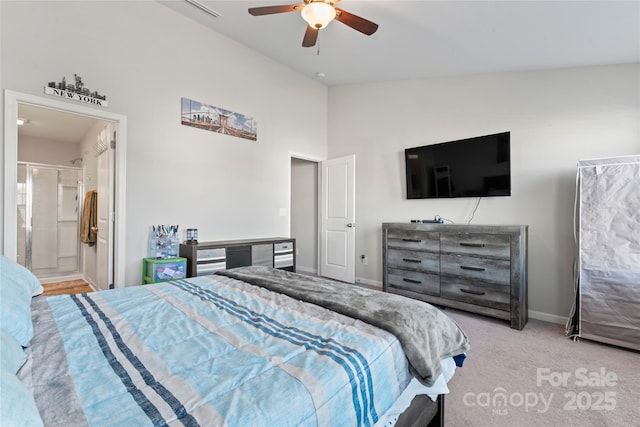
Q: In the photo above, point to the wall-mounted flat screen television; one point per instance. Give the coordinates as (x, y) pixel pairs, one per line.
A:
(472, 167)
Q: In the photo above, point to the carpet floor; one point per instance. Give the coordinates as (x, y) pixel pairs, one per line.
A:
(540, 377)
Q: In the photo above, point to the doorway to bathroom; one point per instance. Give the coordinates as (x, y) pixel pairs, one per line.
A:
(27, 115)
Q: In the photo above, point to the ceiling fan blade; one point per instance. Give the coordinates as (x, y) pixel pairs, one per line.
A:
(357, 23)
(310, 37)
(270, 10)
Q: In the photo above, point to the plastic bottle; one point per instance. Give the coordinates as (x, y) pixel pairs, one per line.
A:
(153, 243)
(175, 242)
(163, 243)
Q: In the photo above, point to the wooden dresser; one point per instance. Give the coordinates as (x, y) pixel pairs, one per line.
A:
(477, 268)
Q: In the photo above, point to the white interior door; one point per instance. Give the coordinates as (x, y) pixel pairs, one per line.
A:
(105, 187)
(338, 206)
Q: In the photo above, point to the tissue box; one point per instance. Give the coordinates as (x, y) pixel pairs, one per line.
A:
(160, 270)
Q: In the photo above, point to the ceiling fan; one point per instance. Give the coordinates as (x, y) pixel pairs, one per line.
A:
(318, 14)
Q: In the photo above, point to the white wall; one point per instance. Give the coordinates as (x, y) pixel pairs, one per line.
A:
(144, 57)
(555, 118)
(39, 150)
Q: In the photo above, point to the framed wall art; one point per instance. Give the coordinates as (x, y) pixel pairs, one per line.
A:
(215, 119)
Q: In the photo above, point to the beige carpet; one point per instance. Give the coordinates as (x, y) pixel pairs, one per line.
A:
(539, 377)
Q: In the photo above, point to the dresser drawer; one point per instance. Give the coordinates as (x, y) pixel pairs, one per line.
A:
(474, 292)
(210, 267)
(481, 244)
(212, 254)
(415, 281)
(409, 239)
(413, 260)
(283, 247)
(496, 271)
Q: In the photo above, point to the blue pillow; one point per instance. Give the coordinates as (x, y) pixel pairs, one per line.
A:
(17, 407)
(15, 301)
(12, 356)
(10, 270)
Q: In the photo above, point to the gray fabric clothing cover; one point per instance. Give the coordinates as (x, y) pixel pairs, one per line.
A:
(609, 250)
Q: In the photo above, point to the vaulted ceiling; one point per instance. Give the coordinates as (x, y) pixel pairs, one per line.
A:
(416, 39)
(419, 39)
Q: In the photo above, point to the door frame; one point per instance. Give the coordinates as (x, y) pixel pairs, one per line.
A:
(319, 161)
(105, 180)
(11, 101)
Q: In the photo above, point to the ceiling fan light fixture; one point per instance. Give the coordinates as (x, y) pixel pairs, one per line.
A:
(318, 14)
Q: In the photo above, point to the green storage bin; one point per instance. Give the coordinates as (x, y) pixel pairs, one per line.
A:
(162, 270)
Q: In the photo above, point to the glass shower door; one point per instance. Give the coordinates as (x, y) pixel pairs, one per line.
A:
(48, 219)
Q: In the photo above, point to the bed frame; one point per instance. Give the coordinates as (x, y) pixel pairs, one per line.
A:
(423, 412)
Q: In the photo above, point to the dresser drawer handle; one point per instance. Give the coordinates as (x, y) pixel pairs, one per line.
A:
(470, 291)
(412, 240)
(417, 261)
(466, 267)
(472, 245)
(417, 282)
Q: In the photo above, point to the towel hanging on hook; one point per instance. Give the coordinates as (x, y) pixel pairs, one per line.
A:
(89, 226)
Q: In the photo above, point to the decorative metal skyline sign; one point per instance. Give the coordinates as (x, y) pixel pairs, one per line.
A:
(76, 92)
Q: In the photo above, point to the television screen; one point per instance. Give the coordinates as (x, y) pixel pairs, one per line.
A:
(472, 167)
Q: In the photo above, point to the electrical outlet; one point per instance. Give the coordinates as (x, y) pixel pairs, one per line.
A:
(363, 259)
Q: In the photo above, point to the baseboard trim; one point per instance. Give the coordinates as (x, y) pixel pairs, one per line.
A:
(90, 283)
(551, 318)
(370, 283)
(308, 270)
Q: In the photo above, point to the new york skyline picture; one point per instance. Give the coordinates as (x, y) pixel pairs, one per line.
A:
(215, 119)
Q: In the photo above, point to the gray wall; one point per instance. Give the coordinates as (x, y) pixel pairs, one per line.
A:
(304, 213)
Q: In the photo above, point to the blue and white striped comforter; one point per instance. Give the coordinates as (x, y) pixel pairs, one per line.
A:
(208, 351)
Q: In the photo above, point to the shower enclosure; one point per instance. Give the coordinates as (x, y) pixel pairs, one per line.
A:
(49, 214)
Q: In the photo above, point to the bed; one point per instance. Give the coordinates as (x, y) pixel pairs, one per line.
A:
(252, 346)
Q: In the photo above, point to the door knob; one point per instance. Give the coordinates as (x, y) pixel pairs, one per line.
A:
(350, 225)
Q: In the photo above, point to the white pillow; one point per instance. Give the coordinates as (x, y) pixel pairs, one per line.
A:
(11, 270)
(17, 407)
(17, 285)
(12, 357)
